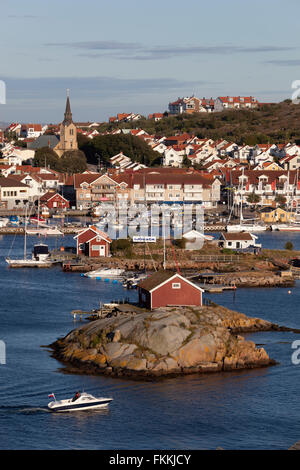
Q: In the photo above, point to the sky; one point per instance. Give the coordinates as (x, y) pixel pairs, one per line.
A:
(137, 56)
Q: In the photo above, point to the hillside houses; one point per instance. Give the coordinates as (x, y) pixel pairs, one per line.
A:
(191, 105)
(235, 102)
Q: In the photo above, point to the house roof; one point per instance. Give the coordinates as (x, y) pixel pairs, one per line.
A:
(97, 232)
(49, 195)
(156, 279)
(44, 141)
(11, 183)
(160, 277)
(244, 236)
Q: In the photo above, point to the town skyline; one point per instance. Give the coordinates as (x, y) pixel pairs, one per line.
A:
(137, 61)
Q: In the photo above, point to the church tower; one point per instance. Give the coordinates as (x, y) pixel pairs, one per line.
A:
(68, 132)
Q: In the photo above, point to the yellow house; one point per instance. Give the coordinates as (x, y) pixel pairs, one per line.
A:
(269, 215)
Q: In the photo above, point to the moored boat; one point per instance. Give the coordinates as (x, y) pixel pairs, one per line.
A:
(109, 273)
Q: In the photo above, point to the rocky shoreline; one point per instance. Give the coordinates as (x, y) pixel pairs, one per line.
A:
(140, 344)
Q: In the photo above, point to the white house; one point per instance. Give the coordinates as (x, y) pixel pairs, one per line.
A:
(19, 155)
(13, 194)
(172, 158)
(238, 241)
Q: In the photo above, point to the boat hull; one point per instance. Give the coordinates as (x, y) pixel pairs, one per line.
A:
(67, 407)
(245, 228)
(28, 264)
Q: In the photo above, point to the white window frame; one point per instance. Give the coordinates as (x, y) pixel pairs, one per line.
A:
(176, 285)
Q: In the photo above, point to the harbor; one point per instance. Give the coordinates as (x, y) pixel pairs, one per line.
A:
(43, 312)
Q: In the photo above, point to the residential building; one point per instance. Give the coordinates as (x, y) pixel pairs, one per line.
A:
(32, 130)
(235, 102)
(13, 194)
(54, 200)
(238, 241)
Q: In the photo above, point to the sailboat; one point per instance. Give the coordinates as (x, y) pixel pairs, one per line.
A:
(42, 228)
(245, 225)
(39, 259)
(293, 223)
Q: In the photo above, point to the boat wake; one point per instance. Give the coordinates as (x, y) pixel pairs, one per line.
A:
(24, 409)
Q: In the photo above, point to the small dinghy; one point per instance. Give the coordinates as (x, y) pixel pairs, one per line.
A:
(80, 401)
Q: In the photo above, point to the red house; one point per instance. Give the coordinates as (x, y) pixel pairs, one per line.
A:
(92, 242)
(165, 288)
(54, 201)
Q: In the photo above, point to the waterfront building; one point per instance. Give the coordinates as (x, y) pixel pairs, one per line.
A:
(54, 200)
(165, 288)
(238, 241)
(92, 242)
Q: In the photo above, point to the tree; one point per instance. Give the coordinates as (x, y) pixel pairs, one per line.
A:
(109, 145)
(280, 200)
(253, 198)
(289, 246)
(72, 161)
(46, 157)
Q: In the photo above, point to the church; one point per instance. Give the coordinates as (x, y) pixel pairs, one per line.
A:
(68, 132)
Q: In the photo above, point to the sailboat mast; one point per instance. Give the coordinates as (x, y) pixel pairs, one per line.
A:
(25, 233)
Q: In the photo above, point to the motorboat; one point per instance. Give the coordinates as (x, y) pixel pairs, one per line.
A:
(109, 273)
(80, 401)
(4, 221)
(131, 282)
(36, 219)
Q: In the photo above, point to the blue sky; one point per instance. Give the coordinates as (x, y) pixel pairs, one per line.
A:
(134, 56)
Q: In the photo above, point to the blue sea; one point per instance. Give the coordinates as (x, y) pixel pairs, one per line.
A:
(252, 409)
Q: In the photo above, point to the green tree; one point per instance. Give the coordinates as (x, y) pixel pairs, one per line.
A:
(73, 161)
(289, 246)
(253, 198)
(109, 145)
(280, 200)
(46, 157)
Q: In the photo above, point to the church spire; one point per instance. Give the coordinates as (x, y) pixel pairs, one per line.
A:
(68, 114)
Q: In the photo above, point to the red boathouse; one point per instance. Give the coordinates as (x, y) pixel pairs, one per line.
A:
(92, 242)
(165, 288)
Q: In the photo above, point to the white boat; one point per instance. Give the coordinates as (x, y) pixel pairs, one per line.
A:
(80, 401)
(246, 228)
(3, 221)
(131, 282)
(293, 227)
(39, 259)
(44, 230)
(109, 273)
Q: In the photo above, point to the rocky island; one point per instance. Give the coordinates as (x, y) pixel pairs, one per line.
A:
(138, 343)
